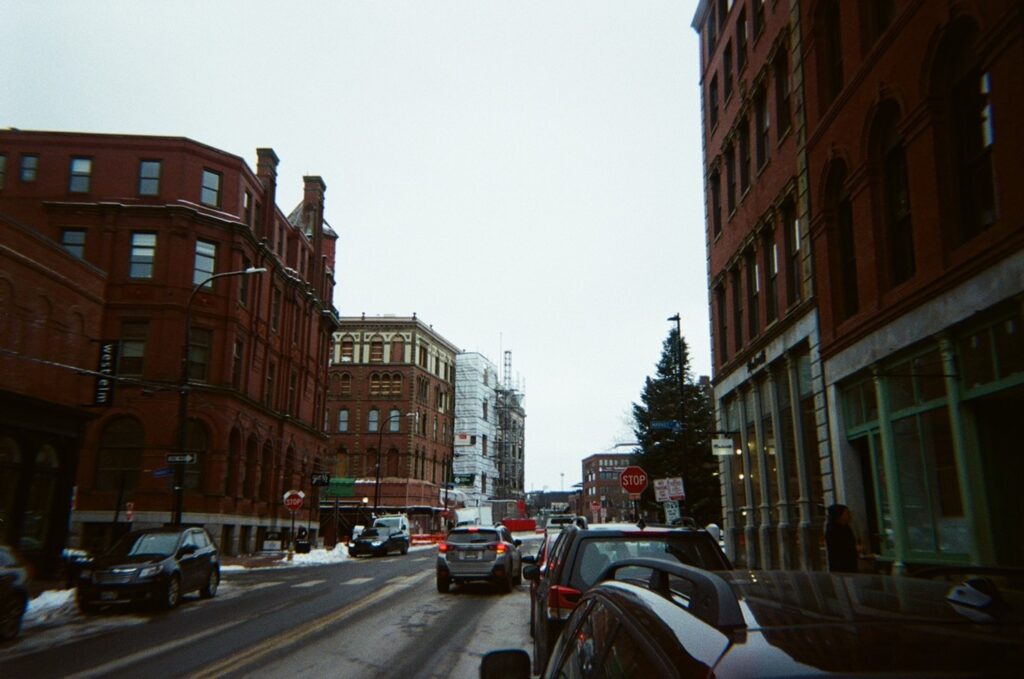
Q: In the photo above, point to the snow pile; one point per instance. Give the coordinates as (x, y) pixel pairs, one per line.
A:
(52, 606)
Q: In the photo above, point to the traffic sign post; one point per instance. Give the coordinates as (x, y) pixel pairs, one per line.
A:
(293, 502)
(633, 480)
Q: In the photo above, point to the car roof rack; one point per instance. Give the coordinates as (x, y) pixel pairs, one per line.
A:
(712, 599)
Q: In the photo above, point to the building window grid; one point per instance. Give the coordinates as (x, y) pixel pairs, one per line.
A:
(783, 115)
(133, 347)
(744, 144)
(73, 242)
(727, 71)
(205, 263)
(143, 255)
(149, 177)
(80, 174)
(741, 40)
(762, 123)
(210, 194)
(29, 168)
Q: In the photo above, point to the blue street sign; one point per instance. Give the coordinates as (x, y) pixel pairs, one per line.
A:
(162, 473)
(667, 425)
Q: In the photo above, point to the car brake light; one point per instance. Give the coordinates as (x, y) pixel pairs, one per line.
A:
(561, 601)
(501, 548)
(442, 547)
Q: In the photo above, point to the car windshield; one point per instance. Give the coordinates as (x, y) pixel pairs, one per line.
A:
(472, 537)
(146, 544)
(597, 553)
(370, 533)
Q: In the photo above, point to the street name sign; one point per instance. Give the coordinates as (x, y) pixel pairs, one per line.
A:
(721, 446)
(674, 426)
(182, 458)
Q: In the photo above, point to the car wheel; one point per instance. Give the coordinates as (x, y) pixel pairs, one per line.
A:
(209, 590)
(172, 593)
(443, 584)
(405, 548)
(505, 584)
(10, 617)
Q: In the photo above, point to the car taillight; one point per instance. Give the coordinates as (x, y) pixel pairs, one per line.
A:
(442, 547)
(561, 601)
(500, 547)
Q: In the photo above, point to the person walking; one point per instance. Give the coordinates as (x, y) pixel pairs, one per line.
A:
(840, 542)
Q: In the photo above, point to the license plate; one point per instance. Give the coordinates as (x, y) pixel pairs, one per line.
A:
(471, 556)
(108, 596)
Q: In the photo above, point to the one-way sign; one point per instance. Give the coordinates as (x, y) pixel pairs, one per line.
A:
(182, 458)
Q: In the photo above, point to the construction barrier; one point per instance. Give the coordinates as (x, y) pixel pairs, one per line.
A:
(520, 525)
(427, 538)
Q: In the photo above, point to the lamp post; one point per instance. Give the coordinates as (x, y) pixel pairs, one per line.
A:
(682, 379)
(380, 444)
(183, 389)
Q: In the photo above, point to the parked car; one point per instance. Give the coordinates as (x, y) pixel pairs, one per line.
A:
(13, 593)
(479, 553)
(580, 555)
(379, 541)
(540, 560)
(155, 566)
(672, 620)
(399, 525)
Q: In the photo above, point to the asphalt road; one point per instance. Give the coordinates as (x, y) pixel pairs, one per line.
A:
(379, 617)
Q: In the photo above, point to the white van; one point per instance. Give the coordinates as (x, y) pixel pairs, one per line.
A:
(398, 524)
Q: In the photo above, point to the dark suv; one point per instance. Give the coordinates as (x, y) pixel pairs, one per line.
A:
(670, 620)
(580, 555)
(479, 553)
(156, 565)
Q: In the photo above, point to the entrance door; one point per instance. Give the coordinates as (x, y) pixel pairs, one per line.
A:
(1003, 464)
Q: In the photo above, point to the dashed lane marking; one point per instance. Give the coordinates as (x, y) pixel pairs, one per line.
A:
(310, 583)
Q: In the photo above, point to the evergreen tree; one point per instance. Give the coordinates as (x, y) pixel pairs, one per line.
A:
(685, 453)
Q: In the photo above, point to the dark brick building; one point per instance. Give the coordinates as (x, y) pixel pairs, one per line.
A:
(391, 398)
(110, 242)
(884, 380)
(603, 498)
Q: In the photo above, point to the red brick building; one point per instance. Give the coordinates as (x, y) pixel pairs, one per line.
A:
(603, 500)
(885, 380)
(767, 382)
(110, 242)
(391, 399)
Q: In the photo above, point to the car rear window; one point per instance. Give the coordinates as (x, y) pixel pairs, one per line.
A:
(472, 537)
(596, 554)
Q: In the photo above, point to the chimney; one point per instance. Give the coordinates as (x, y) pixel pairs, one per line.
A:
(313, 211)
(266, 171)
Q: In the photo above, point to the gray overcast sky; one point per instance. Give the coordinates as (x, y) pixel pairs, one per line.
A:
(525, 176)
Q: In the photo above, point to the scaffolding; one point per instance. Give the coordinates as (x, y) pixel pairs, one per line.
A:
(511, 429)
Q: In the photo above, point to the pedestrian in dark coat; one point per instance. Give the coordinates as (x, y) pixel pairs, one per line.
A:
(840, 542)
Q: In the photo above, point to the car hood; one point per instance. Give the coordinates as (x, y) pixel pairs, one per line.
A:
(133, 561)
(806, 623)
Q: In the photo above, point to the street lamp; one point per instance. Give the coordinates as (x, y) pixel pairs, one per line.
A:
(183, 389)
(380, 444)
(682, 380)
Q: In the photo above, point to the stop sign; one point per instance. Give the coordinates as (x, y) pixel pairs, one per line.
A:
(293, 500)
(633, 480)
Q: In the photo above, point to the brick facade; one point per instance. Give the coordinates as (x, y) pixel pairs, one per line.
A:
(137, 223)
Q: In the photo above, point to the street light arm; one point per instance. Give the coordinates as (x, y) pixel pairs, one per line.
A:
(179, 471)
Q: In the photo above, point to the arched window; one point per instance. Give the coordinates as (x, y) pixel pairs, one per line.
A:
(839, 207)
(234, 473)
(252, 472)
(385, 383)
(397, 350)
(394, 420)
(345, 386)
(267, 473)
(891, 159)
(120, 454)
(376, 350)
(374, 384)
(969, 133)
(396, 384)
(372, 419)
(343, 420)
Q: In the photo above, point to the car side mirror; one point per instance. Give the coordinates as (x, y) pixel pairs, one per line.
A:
(505, 664)
(529, 558)
(517, 542)
(531, 572)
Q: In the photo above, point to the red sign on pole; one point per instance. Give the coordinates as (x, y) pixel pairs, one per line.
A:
(633, 480)
(293, 500)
